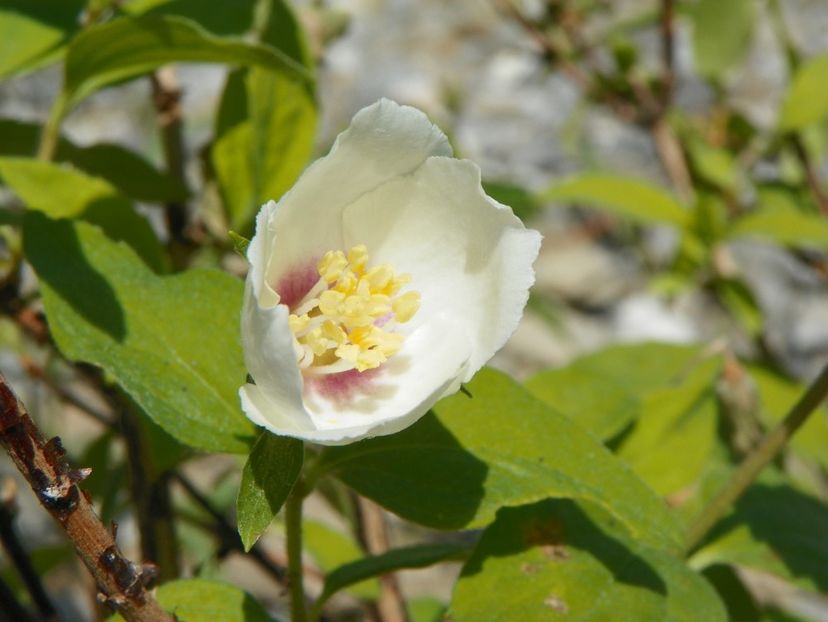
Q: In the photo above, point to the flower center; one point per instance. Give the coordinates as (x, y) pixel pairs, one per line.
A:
(347, 319)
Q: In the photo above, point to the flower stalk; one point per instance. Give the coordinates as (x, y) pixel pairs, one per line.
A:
(757, 460)
(296, 574)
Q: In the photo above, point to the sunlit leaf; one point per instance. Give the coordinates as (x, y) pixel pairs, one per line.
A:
(807, 99)
(171, 342)
(124, 48)
(501, 447)
(635, 199)
(561, 560)
(61, 192)
(267, 479)
(722, 32)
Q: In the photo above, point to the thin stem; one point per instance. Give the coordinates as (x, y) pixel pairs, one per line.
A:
(228, 535)
(757, 460)
(17, 553)
(10, 608)
(811, 175)
(50, 136)
(667, 27)
(293, 529)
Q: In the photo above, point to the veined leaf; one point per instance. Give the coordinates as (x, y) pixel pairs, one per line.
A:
(171, 342)
(502, 447)
(267, 479)
(124, 48)
(567, 561)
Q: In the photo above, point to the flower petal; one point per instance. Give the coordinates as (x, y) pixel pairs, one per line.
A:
(268, 353)
(469, 256)
(384, 140)
(430, 365)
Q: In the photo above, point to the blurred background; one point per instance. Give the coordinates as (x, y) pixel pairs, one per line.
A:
(672, 153)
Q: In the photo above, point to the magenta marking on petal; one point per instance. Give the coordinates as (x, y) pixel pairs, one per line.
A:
(342, 386)
(296, 282)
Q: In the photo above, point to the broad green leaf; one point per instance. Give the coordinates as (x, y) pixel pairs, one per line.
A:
(561, 560)
(420, 556)
(623, 373)
(425, 610)
(221, 18)
(635, 199)
(33, 32)
(789, 227)
(60, 192)
(266, 128)
(722, 32)
(455, 468)
(330, 549)
(267, 479)
(131, 174)
(171, 342)
(775, 528)
(675, 432)
(807, 99)
(201, 600)
(109, 53)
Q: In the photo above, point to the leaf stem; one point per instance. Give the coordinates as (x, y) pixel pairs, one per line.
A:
(757, 460)
(50, 134)
(293, 529)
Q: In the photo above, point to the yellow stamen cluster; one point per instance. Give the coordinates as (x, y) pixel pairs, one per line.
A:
(347, 320)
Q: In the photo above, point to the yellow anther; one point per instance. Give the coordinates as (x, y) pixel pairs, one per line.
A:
(405, 306)
(298, 323)
(346, 321)
(358, 257)
(332, 265)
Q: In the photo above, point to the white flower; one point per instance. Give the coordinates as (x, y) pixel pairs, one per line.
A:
(378, 284)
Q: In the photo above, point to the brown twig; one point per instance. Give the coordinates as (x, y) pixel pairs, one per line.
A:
(374, 536)
(814, 182)
(166, 95)
(668, 73)
(43, 463)
(17, 553)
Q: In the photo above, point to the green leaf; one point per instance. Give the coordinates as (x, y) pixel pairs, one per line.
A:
(807, 100)
(788, 227)
(425, 610)
(221, 18)
(116, 51)
(638, 200)
(265, 134)
(715, 165)
(131, 174)
(775, 528)
(32, 32)
(455, 468)
(61, 192)
(330, 549)
(420, 556)
(722, 32)
(267, 479)
(201, 600)
(171, 342)
(624, 374)
(675, 433)
(523, 203)
(560, 560)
